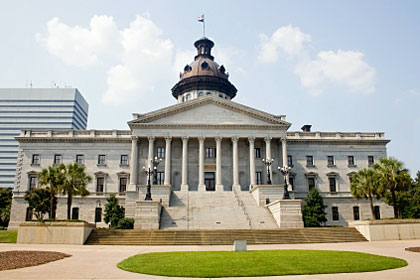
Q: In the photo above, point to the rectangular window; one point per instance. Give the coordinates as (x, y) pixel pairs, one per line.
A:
(58, 159)
(350, 160)
(356, 213)
(311, 183)
(161, 152)
(123, 184)
(209, 181)
(75, 213)
(101, 159)
(257, 152)
(259, 178)
(371, 161)
(330, 160)
(100, 181)
(160, 178)
(377, 212)
(98, 215)
(210, 152)
(33, 180)
(36, 159)
(309, 161)
(124, 160)
(333, 184)
(289, 161)
(79, 159)
(335, 215)
(292, 182)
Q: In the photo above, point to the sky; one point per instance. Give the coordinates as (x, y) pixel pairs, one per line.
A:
(337, 65)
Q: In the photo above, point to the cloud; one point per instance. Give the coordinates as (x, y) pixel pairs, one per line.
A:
(328, 68)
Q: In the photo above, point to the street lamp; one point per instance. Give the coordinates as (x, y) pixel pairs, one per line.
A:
(268, 162)
(155, 162)
(149, 172)
(285, 171)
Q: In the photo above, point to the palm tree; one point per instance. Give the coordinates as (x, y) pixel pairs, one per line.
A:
(75, 183)
(53, 178)
(364, 185)
(393, 179)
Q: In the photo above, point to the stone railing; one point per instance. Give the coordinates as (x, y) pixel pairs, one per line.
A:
(29, 133)
(336, 135)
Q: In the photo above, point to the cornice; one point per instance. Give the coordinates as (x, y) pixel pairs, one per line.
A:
(71, 140)
(216, 126)
(340, 141)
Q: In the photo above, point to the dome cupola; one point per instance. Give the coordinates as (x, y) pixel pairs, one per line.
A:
(203, 76)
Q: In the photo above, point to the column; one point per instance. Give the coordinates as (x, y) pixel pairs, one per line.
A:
(219, 186)
(252, 162)
(134, 164)
(150, 152)
(285, 163)
(184, 183)
(268, 153)
(167, 180)
(235, 162)
(201, 185)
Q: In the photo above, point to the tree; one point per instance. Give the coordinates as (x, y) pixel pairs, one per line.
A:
(75, 183)
(393, 180)
(410, 202)
(5, 205)
(53, 178)
(113, 211)
(364, 185)
(39, 200)
(314, 209)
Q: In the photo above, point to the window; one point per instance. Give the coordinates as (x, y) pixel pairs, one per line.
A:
(75, 213)
(289, 161)
(292, 182)
(330, 160)
(371, 161)
(100, 183)
(98, 214)
(309, 161)
(208, 93)
(210, 152)
(209, 181)
(201, 93)
(161, 152)
(124, 160)
(33, 180)
(123, 184)
(187, 97)
(101, 159)
(220, 95)
(160, 178)
(259, 178)
(356, 213)
(79, 159)
(29, 213)
(335, 215)
(36, 159)
(257, 152)
(377, 212)
(350, 160)
(58, 159)
(311, 183)
(333, 184)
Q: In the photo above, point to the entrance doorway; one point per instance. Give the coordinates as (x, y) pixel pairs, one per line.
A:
(209, 181)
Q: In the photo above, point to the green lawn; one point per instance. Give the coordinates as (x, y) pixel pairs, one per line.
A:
(8, 236)
(256, 263)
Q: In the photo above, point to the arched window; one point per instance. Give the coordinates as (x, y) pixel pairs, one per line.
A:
(201, 93)
(187, 97)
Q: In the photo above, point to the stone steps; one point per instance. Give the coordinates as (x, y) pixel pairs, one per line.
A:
(223, 237)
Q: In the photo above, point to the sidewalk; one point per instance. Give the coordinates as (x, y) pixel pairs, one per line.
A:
(99, 262)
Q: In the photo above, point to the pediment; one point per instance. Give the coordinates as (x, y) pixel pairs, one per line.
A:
(209, 110)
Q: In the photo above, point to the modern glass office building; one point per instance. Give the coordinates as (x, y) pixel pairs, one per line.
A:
(30, 108)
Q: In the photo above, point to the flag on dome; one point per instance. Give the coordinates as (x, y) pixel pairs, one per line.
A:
(201, 18)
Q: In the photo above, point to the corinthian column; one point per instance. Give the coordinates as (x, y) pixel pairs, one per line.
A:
(151, 151)
(134, 163)
(184, 183)
(252, 162)
(201, 185)
(167, 180)
(219, 186)
(284, 152)
(235, 168)
(268, 153)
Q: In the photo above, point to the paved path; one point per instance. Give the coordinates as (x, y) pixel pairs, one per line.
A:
(99, 262)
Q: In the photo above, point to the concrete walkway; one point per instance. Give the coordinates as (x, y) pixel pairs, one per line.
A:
(99, 262)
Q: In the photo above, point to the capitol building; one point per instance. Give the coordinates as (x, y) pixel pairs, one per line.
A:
(210, 158)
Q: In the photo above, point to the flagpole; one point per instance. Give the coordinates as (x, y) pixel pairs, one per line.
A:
(204, 27)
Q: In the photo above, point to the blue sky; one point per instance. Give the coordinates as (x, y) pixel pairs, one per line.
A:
(338, 65)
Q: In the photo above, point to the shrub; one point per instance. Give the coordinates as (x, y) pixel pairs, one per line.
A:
(125, 223)
(113, 211)
(314, 209)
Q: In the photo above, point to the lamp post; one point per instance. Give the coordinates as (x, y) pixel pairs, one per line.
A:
(268, 162)
(149, 172)
(285, 171)
(155, 162)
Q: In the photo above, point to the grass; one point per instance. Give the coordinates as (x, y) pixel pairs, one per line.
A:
(8, 236)
(256, 263)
